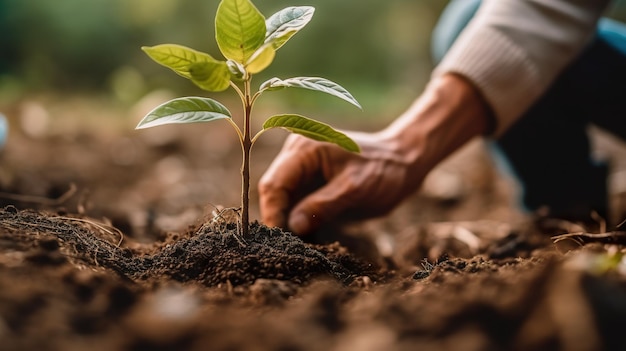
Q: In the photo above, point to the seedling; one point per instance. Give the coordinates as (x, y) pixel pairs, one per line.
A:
(249, 43)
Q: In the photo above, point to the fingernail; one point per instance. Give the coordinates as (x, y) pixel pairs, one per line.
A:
(299, 223)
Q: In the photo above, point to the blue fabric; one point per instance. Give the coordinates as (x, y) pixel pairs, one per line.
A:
(548, 148)
(453, 19)
(613, 32)
(4, 130)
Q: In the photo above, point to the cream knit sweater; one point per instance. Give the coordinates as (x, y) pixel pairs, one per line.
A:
(512, 50)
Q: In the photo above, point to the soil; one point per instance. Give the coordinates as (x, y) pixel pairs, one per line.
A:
(107, 243)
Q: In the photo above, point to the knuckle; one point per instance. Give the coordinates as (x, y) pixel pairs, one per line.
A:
(294, 140)
(299, 143)
(267, 185)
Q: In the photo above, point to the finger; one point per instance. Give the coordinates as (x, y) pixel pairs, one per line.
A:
(321, 207)
(288, 173)
(274, 205)
(274, 188)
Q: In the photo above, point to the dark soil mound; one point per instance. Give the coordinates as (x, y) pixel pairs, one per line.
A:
(206, 255)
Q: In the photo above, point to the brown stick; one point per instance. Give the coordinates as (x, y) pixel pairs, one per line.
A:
(585, 238)
(245, 167)
(41, 200)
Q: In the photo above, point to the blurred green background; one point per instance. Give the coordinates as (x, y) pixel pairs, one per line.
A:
(378, 50)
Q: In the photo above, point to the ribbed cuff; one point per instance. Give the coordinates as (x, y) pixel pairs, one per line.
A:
(499, 68)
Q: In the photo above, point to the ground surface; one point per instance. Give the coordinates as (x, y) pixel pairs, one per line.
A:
(107, 242)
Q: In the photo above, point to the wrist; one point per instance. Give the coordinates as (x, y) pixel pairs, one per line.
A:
(449, 113)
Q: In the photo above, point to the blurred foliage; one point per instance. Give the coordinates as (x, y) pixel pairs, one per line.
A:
(376, 49)
(379, 50)
(617, 10)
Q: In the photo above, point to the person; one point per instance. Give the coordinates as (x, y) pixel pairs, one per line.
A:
(529, 75)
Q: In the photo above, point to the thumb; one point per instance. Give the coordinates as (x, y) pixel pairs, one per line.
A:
(319, 207)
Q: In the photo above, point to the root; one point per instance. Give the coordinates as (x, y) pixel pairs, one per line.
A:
(91, 242)
(220, 220)
(101, 227)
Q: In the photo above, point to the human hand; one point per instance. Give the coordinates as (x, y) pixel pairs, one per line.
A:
(310, 183)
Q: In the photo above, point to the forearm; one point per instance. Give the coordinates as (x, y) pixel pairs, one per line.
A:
(449, 113)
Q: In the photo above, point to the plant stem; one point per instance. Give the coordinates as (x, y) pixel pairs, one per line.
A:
(245, 167)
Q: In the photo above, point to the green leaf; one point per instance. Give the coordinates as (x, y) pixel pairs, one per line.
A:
(311, 129)
(312, 83)
(267, 85)
(282, 25)
(210, 76)
(185, 110)
(179, 58)
(239, 29)
(262, 58)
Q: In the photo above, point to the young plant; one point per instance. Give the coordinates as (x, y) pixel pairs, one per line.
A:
(249, 42)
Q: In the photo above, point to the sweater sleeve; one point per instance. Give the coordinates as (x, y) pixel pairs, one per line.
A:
(512, 50)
